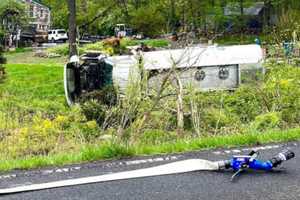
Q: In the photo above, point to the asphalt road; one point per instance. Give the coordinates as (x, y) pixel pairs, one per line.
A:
(283, 183)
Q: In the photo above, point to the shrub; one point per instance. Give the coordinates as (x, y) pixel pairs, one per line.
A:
(213, 118)
(105, 48)
(161, 120)
(93, 110)
(62, 49)
(245, 103)
(106, 96)
(98, 46)
(89, 130)
(39, 138)
(40, 135)
(267, 121)
(157, 136)
(282, 91)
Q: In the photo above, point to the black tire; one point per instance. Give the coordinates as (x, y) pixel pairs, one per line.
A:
(52, 40)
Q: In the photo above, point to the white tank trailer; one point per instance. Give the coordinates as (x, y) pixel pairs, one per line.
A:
(206, 68)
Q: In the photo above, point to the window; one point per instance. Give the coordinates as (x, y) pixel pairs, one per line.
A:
(61, 32)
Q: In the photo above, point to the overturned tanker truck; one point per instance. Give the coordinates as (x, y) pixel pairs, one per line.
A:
(206, 68)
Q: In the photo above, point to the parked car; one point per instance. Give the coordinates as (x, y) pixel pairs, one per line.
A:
(57, 35)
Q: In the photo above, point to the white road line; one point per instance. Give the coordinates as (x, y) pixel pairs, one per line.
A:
(246, 149)
(269, 147)
(72, 169)
(217, 152)
(46, 172)
(249, 149)
(276, 146)
(8, 176)
(151, 160)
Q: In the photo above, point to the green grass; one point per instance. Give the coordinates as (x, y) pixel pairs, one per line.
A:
(158, 43)
(20, 50)
(34, 85)
(112, 151)
(27, 57)
(24, 78)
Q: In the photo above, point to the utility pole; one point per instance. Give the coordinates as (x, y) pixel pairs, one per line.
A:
(72, 27)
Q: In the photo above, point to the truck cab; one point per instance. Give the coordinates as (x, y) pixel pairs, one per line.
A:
(121, 30)
(88, 73)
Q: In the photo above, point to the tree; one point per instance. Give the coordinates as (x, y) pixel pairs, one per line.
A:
(59, 13)
(288, 27)
(148, 20)
(13, 17)
(154, 17)
(72, 27)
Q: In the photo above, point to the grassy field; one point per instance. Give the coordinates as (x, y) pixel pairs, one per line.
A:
(27, 57)
(89, 153)
(33, 86)
(38, 129)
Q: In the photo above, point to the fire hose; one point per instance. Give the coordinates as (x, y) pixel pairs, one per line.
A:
(237, 163)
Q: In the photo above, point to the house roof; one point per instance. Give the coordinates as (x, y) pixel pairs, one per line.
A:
(253, 10)
(38, 2)
(194, 57)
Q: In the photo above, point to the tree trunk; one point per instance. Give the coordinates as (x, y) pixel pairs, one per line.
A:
(180, 112)
(2, 61)
(72, 27)
(242, 15)
(267, 18)
(172, 16)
